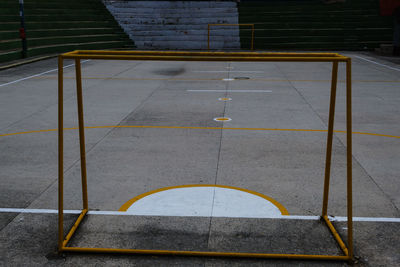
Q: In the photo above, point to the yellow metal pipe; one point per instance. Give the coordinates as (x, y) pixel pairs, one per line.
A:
(204, 253)
(336, 235)
(81, 133)
(60, 155)
(187, 53)
(74, 227)
(329, 138)
(204, 56)
(209, 58)
(74, 52)
(349, 160)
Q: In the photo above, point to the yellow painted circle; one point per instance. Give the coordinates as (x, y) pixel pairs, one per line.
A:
(222, 119)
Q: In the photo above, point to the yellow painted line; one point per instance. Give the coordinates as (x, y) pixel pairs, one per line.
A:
(39, 131)
(200, 128)
(210, 79)
(130, 202)
(223, 119)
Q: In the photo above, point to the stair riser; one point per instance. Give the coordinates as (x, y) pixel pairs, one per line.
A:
(177, 24)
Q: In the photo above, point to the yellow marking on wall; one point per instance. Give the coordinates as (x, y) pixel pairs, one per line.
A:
(199, 128)
(130, 202)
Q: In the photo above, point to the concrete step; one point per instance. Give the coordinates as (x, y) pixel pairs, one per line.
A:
(175, 27)
(202, 38)
(180, 21)
(74, 31)
(136, 14)
(55, 26)
(59, 48)
(185, 45)
(74, 39)
(204, 31)
(176, 24)
(170, 4)
(171, 11)
(6, 35)
(10, 55)
(52, 17)
(310, 24)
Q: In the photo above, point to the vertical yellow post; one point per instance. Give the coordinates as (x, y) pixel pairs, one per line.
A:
(349, 161)
(81, 132)
(330, 137)
(208, 39)
(252, 37)
(60, 155)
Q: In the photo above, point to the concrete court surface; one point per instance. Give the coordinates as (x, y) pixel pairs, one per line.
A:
(160, 132)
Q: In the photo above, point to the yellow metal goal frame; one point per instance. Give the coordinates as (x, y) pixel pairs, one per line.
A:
(240, 24)
(206, 56)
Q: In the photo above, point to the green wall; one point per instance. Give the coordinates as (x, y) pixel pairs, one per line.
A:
(312, 25)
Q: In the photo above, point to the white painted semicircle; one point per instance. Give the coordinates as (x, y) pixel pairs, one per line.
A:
(205, 201)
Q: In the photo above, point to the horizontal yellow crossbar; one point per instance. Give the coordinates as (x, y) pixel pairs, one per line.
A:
(187, 53)
(206, 56)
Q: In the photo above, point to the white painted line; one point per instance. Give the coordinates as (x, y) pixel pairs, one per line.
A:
(231, 91)
(374, 62)
(228, 79)
(297, 217)
(365, 219)
(37, 211)
(40, 74)
(280, 217)
(225, 71)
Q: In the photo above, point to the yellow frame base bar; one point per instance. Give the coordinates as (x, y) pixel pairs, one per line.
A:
(332, 229)
(203, 253)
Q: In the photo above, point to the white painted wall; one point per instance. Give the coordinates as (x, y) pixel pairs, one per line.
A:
(177, 24)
